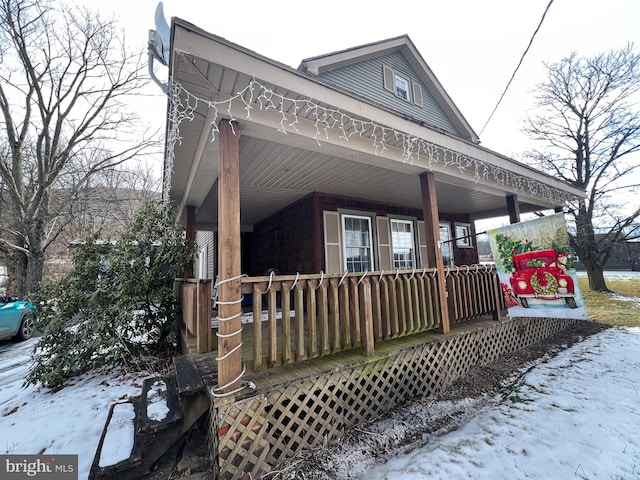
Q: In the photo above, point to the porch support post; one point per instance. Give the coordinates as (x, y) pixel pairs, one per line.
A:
(434, 247)
(229, 308)
(513, 209)
(190, 237)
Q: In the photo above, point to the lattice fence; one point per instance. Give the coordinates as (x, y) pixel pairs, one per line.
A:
(255, 434)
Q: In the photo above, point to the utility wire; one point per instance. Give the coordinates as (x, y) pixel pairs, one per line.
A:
(518, 67)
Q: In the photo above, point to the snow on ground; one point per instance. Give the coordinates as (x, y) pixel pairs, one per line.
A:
(614, 274)
(574, 416)
(70, 421)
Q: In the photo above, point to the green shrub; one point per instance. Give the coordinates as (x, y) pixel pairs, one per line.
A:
(116, 305)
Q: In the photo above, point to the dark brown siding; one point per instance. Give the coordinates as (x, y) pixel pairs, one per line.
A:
(332, 203)
(284, 241)
(462, 256)
(291, 240)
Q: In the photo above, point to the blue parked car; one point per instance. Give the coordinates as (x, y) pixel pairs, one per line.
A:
(17, 319)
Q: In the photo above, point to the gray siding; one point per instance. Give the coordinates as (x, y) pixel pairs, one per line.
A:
(366, 80)
(205, 240)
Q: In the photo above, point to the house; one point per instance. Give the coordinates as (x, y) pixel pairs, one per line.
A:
(374, 181)
(625, 254)
(341, 195)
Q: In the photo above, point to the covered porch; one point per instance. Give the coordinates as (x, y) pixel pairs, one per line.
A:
(248, 138)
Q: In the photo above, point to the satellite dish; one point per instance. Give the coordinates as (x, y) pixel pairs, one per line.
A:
(163, 29)
(159, 38)
(159, 43)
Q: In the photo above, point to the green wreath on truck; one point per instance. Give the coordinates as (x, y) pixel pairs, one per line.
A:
(550, 288)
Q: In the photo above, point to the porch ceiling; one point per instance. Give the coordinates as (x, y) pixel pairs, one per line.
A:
(277, 168)
(273, 175)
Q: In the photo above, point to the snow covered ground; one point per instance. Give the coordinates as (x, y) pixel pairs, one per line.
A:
(70, 421)
(574, 416)
(617, 274)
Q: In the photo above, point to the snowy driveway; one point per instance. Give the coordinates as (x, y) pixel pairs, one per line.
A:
(14, 362)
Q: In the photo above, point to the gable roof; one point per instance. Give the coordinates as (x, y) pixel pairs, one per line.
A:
(323, 63)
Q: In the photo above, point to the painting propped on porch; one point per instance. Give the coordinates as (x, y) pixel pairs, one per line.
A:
(536, 269)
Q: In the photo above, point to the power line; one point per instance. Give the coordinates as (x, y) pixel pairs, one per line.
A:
(518, 67)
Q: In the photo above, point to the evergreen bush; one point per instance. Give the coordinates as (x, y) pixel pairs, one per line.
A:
(116, 306)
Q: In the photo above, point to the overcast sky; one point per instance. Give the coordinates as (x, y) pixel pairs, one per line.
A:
(472, 46)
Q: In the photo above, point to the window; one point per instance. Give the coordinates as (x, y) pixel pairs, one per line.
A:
(402, 242)
(445, 240)
(358, 243)
(402, 87)
(463, 235)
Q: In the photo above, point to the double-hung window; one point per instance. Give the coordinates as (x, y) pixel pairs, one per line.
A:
(357, 243)
(402, 88)
(403, 244)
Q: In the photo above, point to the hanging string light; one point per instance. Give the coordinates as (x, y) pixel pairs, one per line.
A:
(325, 119)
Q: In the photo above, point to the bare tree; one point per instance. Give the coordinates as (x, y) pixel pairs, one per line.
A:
(589, 120)
(109, 201)
(65, 75)
(104, 206)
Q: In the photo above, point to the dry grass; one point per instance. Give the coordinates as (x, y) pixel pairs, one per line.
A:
(621, 308)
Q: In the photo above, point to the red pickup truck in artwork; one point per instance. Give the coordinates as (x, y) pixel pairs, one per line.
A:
(542, 275)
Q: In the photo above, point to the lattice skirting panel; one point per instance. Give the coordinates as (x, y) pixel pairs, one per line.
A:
(255, 434)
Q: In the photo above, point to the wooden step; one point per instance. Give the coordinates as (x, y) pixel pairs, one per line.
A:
(116, 449)
(188, 379)
(159, 405)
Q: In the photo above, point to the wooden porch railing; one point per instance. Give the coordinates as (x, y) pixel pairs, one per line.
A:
(315, 315)
(195, 298)
(296, 317)
(473, 291)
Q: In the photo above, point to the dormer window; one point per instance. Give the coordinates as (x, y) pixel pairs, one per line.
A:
(402, 86)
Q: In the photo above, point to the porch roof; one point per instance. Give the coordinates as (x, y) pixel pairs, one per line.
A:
(299, 135)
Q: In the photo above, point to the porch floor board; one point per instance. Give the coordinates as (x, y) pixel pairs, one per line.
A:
(267, 378)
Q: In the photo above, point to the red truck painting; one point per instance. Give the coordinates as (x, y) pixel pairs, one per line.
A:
(542, 275)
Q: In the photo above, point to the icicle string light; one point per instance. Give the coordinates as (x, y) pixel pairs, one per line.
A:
(325, 119)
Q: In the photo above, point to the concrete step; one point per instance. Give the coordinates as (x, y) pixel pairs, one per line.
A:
(116, 449)
(139, 431)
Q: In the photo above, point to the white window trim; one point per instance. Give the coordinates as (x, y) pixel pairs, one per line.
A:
(411, 224)
(447, 225)
(370, 219)
(414, 89)
(397, 78)
(463, 242)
